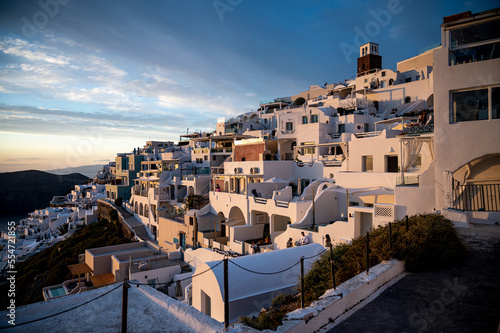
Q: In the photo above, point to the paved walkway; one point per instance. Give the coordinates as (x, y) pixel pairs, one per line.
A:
(458, 299)
(136, 225)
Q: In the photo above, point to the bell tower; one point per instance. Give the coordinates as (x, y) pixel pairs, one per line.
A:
(369, 58)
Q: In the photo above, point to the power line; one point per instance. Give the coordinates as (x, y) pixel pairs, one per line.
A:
(64, 311)
(166, 283)
(264, 273)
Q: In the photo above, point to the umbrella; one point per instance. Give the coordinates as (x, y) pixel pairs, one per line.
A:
(178, 289)
(276, 181)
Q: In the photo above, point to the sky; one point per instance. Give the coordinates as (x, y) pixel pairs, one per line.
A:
(81, 81)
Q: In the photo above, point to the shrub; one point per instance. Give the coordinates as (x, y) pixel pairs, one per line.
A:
(431, 242)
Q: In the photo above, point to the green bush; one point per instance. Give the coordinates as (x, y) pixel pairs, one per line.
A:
(431, 242)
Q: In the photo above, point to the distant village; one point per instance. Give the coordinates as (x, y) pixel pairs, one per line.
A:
(270, 186)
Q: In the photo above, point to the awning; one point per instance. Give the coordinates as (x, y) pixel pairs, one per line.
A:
(362, 192)
(231, 223)
(78, 269)
(212, 217)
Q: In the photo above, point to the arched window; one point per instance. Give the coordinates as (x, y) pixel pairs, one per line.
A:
(141, 209)
(146, 211)
(136, 210)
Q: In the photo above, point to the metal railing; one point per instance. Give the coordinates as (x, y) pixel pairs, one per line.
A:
(419, 129)
(485, 197)
(367, 134)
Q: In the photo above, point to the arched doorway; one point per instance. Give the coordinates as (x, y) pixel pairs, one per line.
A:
(430, 101)
(476, 185)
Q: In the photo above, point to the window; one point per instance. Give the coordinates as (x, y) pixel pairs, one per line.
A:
(191, 220)
(205, 158)
(152, 282)
(408, 79)
(383, 84)
(475, 34)
(475, 43)
(304, 119)
(308, 150)
(289, 126)
(418, 162)
(366, 80)
(495, 103)
(470, 105)
(314, 118)
(367, 163)
(417, 77)
(383, 74)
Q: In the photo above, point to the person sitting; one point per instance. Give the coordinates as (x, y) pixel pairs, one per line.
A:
(254, 247)
(304, 240)
(328, 241)
(289, 243)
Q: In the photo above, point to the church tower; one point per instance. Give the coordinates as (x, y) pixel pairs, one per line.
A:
(369, 59)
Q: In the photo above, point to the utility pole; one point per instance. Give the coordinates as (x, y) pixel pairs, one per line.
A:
(226, 294)
(332, 265)
(302, 282)
(314, 212)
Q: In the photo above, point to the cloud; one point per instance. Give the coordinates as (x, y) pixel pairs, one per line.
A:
(21, 159)
(395, 32)
(21, 48)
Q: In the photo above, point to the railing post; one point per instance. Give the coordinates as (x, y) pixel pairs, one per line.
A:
(302, 282)
(332, 266)
(390, 235)
(226, 294)
(367, 252)
(124, 305)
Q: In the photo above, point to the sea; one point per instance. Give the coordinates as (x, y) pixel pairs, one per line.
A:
(5, 218)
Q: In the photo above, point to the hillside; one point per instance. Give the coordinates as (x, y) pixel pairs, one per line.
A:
(50, 267)
(25, 191)
(86, 170)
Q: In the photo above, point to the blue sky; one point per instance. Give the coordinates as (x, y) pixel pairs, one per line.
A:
(83, 80)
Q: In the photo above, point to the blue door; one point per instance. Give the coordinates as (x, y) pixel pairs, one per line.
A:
(183, 240)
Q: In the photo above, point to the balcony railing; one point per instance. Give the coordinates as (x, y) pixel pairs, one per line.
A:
(201, 150)
(222, 150)
(188, 177)
(419, 129)
(485, 197)
(368, 134)
(407, 180)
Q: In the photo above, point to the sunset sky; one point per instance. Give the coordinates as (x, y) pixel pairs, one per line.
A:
(83, 80)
